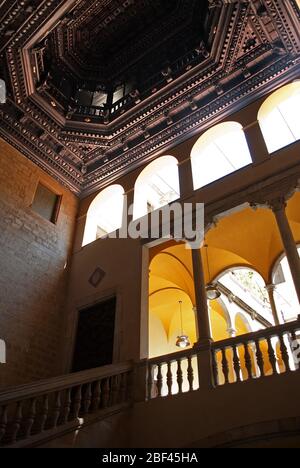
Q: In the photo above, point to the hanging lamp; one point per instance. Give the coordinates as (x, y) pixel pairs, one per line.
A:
(212, 291)
(182, 340)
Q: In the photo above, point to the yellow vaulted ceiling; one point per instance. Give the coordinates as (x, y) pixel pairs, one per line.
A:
(247, 238)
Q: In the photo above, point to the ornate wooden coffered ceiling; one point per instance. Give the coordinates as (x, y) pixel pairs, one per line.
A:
(205, 59)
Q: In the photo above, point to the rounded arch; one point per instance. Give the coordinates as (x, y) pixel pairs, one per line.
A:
(156, 186)
(220, 321)
(249, 287)
(237, 266)
(220, 151)
(241, 324)
(278, 117)
(277, 263)
(105, 214)
(285, 295)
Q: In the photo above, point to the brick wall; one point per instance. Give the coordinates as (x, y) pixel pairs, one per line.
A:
(33, 271)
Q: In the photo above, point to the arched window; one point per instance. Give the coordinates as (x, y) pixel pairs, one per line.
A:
(105, 214)
(279, 117)
(220, 151)
(2, 92)
(286, 299)
(156, 186)
(2, 352)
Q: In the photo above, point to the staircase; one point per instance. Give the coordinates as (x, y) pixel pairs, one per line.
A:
(194, 397)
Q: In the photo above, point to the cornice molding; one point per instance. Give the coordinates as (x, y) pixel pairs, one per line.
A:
(90, 157)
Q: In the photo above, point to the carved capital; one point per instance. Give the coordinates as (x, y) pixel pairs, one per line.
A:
(277, 204)
(270, 287)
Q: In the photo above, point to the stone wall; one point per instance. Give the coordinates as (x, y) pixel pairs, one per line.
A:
(34, 256)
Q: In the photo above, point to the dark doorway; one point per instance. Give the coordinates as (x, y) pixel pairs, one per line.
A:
(95, 336)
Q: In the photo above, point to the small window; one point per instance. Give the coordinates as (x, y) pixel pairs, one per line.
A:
(46, 203)
(2, 92)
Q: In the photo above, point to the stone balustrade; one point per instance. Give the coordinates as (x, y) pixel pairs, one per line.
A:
(32, 412)
(271, 351)
(36, 409)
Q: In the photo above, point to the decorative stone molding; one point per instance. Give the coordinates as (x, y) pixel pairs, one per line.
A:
(219, 85)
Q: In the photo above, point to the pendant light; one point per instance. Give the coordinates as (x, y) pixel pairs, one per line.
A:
(212, 290)
(182, 340)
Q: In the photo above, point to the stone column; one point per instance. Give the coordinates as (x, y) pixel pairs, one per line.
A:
(204, 340)
(201, 308)
(278, 207)
(271, 288)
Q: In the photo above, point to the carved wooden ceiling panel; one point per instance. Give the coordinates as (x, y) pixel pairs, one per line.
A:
(181, 64)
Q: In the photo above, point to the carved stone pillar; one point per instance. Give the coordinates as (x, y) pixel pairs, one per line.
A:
(271, 288)
(278, 207)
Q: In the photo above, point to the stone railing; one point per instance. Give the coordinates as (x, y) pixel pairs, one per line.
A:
(35, 412)
(50, 405)
(267, 352)
(271, 351)
(172, 374)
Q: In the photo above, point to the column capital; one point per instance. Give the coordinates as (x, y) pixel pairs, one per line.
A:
(278, 204)
(231, 332)
(270, 287)
(274, 197)
(274, 204)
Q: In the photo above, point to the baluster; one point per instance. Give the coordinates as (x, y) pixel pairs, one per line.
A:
(236, 364)
(30, 418)
(248, 362)
(150, 380)
(87, 398)
(284, 353)
(159, 380)
(272, 357)
(293, 335)
(225, 366)
(77, 402)
(123, 387)
(17, 422)
(215, 367)
(3, 422)
(96, 396)
(179, 375)
(259, 358)
(295, 342)
(115, 389)
(44, 413)
(169, 378)
(67, 406)
(56, 409)
(105, 393)
(190, 374)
